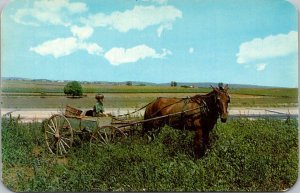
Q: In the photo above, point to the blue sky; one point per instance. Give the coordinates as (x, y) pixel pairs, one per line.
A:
(230, 41)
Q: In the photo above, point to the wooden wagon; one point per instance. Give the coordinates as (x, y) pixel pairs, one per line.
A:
(60, 129)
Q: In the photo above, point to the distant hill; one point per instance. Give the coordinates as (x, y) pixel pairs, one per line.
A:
(138, 83)
(208, 84)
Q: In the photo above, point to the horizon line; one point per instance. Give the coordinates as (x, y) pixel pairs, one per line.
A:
(206, 82)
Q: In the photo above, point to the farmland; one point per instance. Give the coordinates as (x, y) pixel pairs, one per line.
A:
(244, 155)
(32, 94)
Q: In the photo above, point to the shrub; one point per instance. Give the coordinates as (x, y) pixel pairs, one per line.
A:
(73, 88)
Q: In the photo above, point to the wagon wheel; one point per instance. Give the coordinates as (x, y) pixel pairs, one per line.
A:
(58, 134)
(106, 135)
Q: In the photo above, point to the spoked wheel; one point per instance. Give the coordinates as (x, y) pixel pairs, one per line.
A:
(58, 134)
(106, 135)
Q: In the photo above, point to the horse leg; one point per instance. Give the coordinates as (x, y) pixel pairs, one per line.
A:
(149, 129)
(157, 126)
(145, 129)
(147, 126)
(205, 140)
(198, 150)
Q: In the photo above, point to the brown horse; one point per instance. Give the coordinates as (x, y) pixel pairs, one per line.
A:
(198, 113)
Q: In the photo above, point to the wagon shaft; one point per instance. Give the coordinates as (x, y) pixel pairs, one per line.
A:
(157, 118)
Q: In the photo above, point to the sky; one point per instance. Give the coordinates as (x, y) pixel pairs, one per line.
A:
(230, 41)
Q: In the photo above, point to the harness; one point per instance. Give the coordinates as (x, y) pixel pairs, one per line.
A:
(203, 107)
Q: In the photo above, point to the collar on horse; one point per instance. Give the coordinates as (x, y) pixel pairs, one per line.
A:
(203, 100)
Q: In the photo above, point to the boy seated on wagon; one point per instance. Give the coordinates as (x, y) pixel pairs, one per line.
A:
(98, 109)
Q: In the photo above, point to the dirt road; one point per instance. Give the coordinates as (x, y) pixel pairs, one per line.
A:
(29, 115)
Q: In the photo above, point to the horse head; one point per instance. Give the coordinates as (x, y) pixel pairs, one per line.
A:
(222, 101)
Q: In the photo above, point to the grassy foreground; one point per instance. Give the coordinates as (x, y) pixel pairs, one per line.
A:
(259, 155)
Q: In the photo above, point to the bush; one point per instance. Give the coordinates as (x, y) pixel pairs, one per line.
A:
(73, 88)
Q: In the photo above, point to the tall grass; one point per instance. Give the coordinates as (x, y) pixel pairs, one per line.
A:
(244, 155)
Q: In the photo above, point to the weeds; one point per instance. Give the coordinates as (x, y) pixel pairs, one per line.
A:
(244, 155)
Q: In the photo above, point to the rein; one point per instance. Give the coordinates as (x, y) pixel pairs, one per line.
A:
(182, 99)
(136, 110)
(149, 104)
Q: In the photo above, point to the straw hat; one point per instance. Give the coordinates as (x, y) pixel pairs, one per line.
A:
(99, 96)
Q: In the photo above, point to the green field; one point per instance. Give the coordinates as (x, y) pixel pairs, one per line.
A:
(32, 94)
(260, 155)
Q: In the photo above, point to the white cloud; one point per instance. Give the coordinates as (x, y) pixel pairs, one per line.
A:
(58, 47)
(296, 3)
(117, 56)
(191, 50)
(163, 27)
(139, 18)
(58, 5)
(82, 32)
(91, 48)
(261, 66)
(18, 17)
(65, 46)
(48, 11)
(269, 47)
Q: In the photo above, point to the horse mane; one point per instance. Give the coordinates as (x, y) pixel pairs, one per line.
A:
(199, 98)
